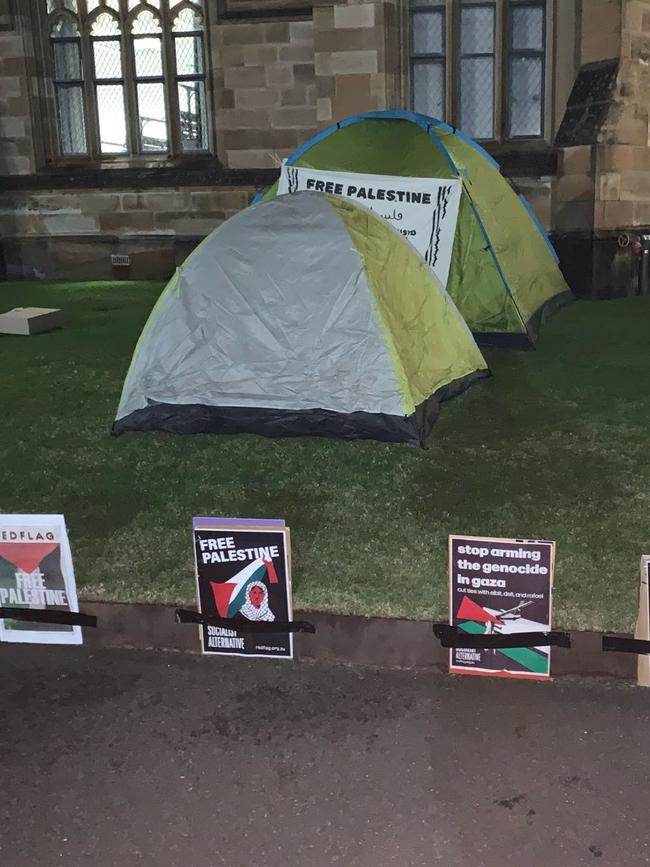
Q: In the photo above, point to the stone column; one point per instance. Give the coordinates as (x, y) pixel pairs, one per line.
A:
(603, 184)
(357, 57)
(622, 159)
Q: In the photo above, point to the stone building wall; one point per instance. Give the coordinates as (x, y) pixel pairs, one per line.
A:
(264, 105)
(274, 82)
(622, 157)
(599, 35)
(71, 234)
(357, 65)
(264, 90)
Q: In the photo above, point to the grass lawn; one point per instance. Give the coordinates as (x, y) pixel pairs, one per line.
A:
(555, 446)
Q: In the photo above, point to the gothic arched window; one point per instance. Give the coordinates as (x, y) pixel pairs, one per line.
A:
(128, 76)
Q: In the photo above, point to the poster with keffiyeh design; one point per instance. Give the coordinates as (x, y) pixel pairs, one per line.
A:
(243, 576)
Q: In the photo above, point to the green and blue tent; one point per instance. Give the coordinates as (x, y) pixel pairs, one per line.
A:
(504, 275)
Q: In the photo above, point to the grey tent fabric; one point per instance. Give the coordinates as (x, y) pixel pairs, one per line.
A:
(264, 305)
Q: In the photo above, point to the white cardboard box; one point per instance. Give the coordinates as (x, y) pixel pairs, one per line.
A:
(30, 320)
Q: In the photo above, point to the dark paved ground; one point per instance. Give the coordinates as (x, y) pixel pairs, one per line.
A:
(127, 758)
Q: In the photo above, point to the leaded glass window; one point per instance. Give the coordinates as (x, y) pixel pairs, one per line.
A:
(129, 76)
(480, 65)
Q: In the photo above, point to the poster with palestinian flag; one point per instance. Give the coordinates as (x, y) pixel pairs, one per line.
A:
(36, 572)
(243, 575)
(501, 586)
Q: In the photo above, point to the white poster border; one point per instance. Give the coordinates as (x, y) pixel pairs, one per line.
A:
(250, 526)
(71, 637)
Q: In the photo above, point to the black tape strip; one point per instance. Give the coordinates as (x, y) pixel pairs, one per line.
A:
(260, 626)
(39, 615)
(625, 645)
(451, 636)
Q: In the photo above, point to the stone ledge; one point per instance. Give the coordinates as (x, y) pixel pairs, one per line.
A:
(241, 10)
(528, 162)
(87, 177)
(371, 641)
(514, 163)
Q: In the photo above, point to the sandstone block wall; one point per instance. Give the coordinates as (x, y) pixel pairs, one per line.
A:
(264, 90)
(603, 189)
(273, 84)
(356, 50)
(622, 158)
(71, 234)
(605, 186)
(599, 37)
(574, 189)
(17, 151)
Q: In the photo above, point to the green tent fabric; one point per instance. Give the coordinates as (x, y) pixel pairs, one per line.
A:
(303, 315)
(504, 275)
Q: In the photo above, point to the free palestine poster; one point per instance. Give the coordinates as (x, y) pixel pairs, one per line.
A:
(501, 586)
(243, 574)
(36, 572)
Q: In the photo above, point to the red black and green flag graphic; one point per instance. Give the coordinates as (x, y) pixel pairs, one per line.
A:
(31, 577)
(473, 619)
(36, 573)
(500, 587)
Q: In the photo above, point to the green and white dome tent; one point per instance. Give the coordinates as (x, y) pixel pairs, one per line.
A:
(504, 275)
(304, 315)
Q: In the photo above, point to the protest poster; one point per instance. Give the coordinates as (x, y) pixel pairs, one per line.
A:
(36, 572)
(501, 586)
(243, 573)
(423, 210)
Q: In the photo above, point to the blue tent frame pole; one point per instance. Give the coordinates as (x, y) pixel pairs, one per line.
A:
(427, 124)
